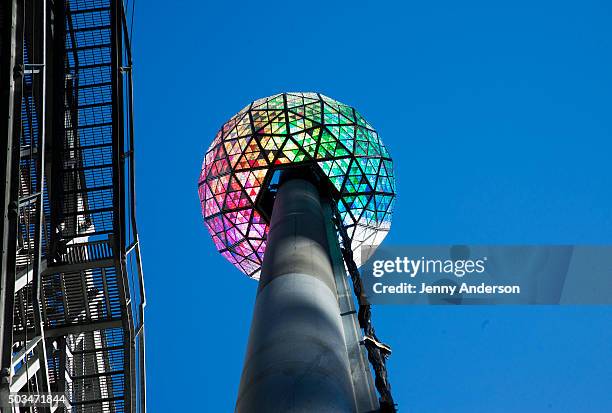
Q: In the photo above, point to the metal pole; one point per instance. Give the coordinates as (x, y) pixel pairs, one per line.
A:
(366, 398)
(11, 73)
(119, 191)
(296, 359)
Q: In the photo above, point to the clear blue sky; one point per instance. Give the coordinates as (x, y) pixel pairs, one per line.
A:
(498, 116)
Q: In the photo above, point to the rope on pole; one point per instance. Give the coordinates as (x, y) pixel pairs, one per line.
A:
(378, 352)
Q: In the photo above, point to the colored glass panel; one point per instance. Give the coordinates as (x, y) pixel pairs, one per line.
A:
(293, 129)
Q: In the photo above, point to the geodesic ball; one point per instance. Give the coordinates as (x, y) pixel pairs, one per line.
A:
(293, 129)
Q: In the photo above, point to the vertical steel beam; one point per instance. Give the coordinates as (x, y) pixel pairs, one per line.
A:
(296, 359)
(140, 334)
(11, 74)
(59, 124)
(119, 188)
(39, 58)
(363, 385)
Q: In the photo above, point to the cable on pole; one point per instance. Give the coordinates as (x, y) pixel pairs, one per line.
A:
(378, 352)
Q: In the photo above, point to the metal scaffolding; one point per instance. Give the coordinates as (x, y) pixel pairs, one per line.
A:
(72, 295)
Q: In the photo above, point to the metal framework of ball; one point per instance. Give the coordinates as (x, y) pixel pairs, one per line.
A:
(286, 130)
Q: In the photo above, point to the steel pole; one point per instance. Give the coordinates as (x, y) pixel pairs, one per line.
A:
(11, 74)
(296, 359)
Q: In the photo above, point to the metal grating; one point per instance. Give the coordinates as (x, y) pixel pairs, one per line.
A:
(87, 171)
(86, 284)
(82, 297)
(94, 364)
(76, 314)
